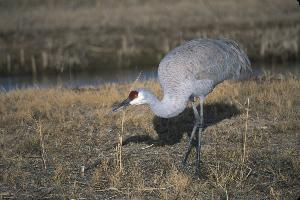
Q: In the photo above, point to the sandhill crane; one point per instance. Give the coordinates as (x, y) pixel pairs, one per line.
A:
(192, 70)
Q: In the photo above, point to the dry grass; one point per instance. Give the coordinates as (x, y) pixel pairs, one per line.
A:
(73, 35)
(74, 130)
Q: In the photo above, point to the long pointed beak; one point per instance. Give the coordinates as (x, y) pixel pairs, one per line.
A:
(122, 105)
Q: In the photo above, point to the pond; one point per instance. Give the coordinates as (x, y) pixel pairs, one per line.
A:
(96, 78)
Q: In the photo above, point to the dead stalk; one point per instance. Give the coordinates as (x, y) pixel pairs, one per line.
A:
(119, 145)
(22, 57)
(246, 130)
(82, 169)
(8, 63)
(133, 189)
(120, 139)
(225, 190)
(45, 59)
(136, 80)
(33, 66)
(39, 129)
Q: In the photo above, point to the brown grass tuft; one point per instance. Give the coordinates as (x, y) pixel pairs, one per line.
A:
(77, 131)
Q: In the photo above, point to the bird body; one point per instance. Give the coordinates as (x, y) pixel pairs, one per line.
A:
(190, 70)
(193, 70)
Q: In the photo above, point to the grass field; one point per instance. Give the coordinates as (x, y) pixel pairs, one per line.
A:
(55, 36)
(47, 135)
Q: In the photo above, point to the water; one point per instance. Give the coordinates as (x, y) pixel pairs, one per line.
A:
(97, 78)
(76, 80)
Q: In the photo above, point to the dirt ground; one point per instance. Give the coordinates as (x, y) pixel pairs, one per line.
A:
(49, 135)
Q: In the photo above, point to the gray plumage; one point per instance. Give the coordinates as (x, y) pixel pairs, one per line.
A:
(194, 69)
(190, 70)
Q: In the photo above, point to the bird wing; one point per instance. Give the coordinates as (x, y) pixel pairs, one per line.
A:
(202, 59)
(221, 60)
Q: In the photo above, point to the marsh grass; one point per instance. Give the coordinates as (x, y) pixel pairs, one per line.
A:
(77, 131)
(61, 36)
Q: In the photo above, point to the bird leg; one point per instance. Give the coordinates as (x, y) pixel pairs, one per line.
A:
(196, 125)
(198, 148)
(199, 123)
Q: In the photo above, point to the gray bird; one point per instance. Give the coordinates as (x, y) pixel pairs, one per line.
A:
(192, 70)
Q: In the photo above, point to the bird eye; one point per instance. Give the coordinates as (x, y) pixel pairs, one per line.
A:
(133, 95)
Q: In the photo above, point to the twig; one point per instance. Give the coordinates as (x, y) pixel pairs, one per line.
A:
(250, 170)
(236, 101)
(225, 190)
(119, 145)
(42, 196)
(94, 164)
(109, 189)
(121, 141)
(246, 130)
(137, 78)
(74, 188)
(147, 146)
(137, 189)
(150, 189)
(39, 129)
(82, 169)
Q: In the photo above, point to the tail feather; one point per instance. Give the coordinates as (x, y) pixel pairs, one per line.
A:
(241, 60)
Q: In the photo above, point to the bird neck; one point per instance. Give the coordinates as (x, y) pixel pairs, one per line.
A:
(168, 106)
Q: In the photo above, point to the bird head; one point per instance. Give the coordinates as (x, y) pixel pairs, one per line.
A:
(135, 97)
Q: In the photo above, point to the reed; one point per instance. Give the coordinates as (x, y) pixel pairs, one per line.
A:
(8, 63)
(45, 60)
(33, 66)
(22, 58)
(123, 34)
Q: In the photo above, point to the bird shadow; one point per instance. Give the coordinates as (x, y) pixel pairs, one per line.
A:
(170, 131)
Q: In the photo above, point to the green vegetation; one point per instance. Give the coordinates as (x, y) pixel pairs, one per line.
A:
(47, 135)
(55, 36)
